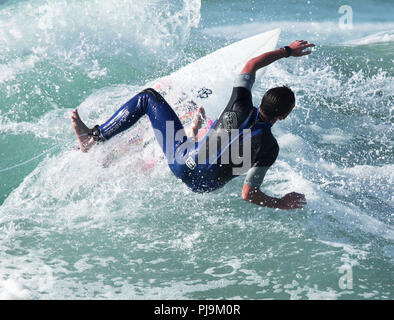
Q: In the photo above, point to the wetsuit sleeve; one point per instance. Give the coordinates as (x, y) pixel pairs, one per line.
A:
(255, 176)
(267, 156)
(244, 80)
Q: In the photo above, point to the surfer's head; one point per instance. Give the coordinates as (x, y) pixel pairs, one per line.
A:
(277, 103)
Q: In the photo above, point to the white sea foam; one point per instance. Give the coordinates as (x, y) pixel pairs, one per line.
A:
(9, 70)
(77, 32)
(12, 289)
(335, 136)
(379, 37)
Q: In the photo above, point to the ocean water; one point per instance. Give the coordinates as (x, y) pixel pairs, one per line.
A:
(71, 229)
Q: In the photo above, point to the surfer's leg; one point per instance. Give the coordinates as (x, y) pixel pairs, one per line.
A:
(199, 117)
(160, 114)
(165, 122)
(124, 118)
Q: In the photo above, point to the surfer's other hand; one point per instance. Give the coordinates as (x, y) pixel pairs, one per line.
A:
(292, 200)
(298, 46)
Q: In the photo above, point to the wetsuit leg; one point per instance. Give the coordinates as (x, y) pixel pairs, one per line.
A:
(160, 113)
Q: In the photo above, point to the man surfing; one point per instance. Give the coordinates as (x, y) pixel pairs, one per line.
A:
(240, 120)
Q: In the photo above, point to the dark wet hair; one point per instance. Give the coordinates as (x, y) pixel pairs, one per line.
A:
(277, 102)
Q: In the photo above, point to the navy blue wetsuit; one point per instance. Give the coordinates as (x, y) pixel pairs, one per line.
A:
(183, 155)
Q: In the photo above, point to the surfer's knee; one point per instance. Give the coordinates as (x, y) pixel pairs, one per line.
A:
(153, 93)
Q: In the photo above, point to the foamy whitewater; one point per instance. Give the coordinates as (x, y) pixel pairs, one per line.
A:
(71, 228)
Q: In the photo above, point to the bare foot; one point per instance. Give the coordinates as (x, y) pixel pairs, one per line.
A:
(199, 117)
(83, 133)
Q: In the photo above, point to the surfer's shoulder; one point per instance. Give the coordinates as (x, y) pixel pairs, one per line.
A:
(244, 80)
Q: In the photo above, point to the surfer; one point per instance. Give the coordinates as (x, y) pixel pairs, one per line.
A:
(239, 114)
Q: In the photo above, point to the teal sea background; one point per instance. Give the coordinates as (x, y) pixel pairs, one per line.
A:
(71, 229)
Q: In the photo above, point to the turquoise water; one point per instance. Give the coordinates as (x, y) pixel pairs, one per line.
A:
(71, 229)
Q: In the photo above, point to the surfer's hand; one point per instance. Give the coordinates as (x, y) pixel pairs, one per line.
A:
(298, 46)
(292, 200)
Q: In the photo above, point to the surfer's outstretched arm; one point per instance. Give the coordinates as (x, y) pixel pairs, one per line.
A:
(291, 200)
(251, 192)
(294, 49)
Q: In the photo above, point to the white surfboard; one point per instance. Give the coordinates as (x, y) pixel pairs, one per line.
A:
(217, 72)
(207, 82)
